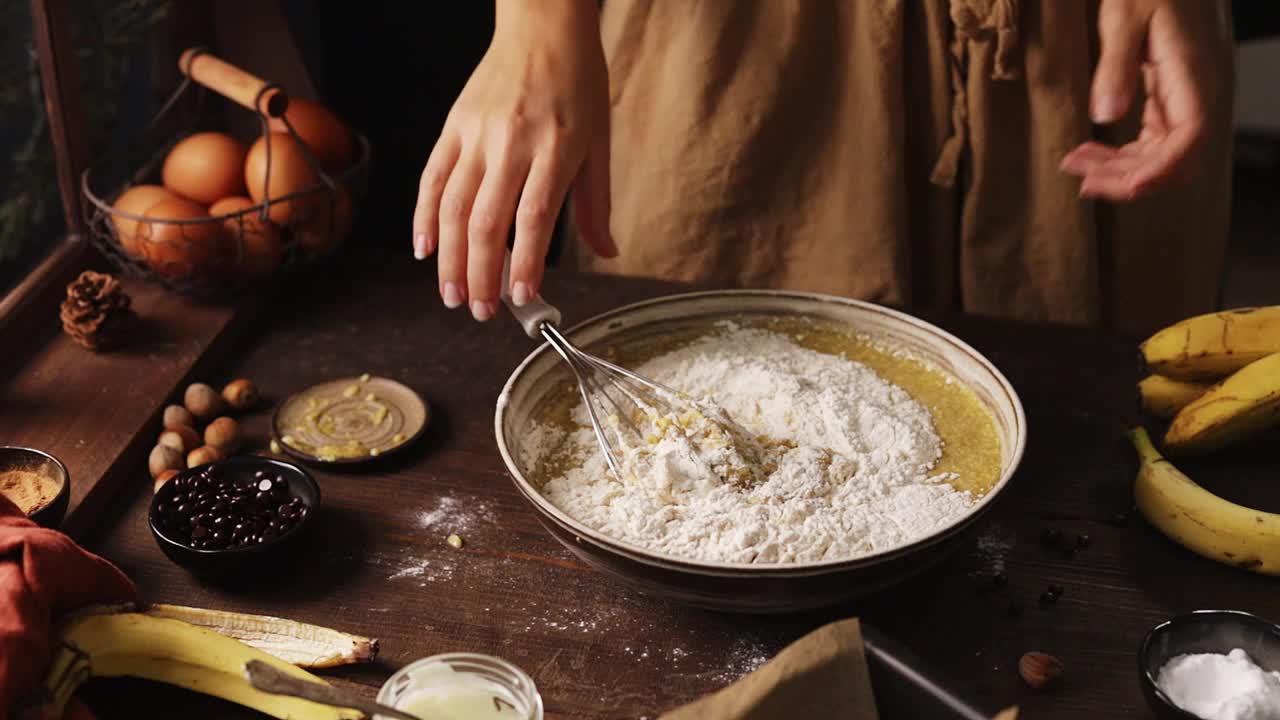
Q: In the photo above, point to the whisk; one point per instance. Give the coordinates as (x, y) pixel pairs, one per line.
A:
(616, 399)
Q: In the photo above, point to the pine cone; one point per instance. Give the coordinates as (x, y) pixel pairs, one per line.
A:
(96, 313)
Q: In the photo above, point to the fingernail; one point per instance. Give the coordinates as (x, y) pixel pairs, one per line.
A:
(481, 310)
(420, 246)
(452, 295)
(1106, 109)
(520, 294)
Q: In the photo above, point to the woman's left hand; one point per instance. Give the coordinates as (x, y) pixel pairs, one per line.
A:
(1169, 44)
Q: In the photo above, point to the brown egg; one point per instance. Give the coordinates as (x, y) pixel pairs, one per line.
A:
(205, 167)
(327, 224)
(290, 172)
(180, 251)
(137, 200)
(253, 247)
(323, 132)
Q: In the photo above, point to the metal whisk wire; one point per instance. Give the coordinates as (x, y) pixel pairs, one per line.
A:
(632, 396)
(629, 396)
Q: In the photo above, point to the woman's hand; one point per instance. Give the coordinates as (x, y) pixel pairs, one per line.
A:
(532, 121)
(1168, 44)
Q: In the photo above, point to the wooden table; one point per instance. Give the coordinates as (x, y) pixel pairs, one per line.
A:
(377, 563)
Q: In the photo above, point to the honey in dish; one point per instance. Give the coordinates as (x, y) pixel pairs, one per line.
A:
(971, 447)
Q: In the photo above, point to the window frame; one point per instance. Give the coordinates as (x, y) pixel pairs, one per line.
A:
(114, 459)
(67, 132)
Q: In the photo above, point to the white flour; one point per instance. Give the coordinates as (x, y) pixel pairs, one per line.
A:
(842, 468)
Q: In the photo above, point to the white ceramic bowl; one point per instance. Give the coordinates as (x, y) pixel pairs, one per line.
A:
(776, 587)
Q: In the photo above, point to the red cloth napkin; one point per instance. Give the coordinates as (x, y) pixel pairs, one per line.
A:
(43, 574)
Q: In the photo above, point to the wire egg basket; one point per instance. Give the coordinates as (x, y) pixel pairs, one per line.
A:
(213, 253)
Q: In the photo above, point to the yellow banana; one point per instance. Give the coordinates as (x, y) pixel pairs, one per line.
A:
(1209, 347)
(1237, 408)
(1163, 397)
(174, 652)
(1201, 521)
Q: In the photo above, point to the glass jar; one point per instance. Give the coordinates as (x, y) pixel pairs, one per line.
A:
(462, 686)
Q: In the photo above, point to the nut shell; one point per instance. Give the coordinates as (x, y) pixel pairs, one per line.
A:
(203, 455)
(176, 416)
(163, 478)
(182, 438)
(241, 394)
(1040, 670)
(224, 434)
(203, 401)
(163, 458)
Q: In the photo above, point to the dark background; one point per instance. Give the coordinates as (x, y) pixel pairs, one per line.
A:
(392, 70)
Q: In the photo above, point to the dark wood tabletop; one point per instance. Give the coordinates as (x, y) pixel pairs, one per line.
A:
(376, 562)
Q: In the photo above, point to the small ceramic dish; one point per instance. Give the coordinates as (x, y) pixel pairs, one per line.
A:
(1203, 631)
(47, 469)
(227, 558)
(350, 420)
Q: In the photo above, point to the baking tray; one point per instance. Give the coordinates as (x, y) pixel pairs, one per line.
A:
(906, 687)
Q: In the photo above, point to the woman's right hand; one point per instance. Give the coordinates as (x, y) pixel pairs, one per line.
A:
(532, 122)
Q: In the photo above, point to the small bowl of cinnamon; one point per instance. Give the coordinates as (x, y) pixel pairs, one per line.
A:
(36, 482)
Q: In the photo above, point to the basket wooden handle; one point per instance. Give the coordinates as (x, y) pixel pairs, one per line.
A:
(233, 83)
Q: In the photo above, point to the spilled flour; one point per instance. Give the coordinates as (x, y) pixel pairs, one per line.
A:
(819, 458)
(449, 514)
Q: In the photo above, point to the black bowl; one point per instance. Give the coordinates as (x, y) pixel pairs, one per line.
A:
(246, 560)
(1203, 631)
(20, 458)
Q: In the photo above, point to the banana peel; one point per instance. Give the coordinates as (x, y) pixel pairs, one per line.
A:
(297, 643)
(131, 641)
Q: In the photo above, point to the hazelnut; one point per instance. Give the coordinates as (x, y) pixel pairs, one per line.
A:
(203, 401)
(224, 434)
(240, 394)
(203, 455)
(163, 458)
(163, 478)
(182, 438)
(1039, 670)
(176, 416)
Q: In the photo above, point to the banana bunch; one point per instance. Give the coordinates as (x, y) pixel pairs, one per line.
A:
(1217, 376)
(198, 650)
(1201, 521)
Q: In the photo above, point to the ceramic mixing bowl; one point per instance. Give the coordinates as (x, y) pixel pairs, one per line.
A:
(779, 587)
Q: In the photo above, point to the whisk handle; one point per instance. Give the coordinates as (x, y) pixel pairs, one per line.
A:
(532, 314)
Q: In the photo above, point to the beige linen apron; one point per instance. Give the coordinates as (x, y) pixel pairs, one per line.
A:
(902, 151)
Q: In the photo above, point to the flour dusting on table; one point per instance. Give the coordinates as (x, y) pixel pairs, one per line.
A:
(838, 463)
